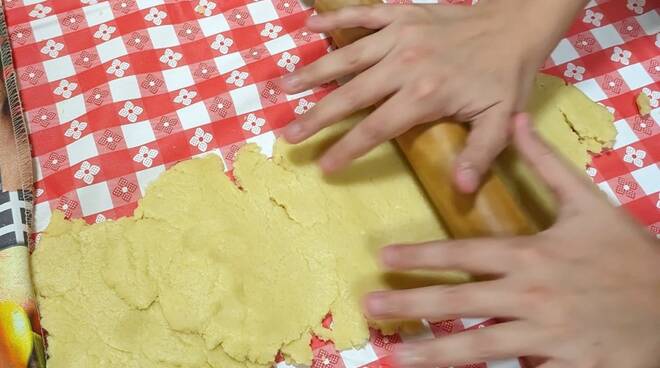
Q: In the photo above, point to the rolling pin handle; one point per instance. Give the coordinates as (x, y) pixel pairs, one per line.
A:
(431, 150)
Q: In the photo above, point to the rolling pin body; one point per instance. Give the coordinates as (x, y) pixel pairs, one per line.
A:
(431, 149)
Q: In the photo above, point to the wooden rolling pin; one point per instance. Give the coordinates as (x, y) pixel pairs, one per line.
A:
(431, 149)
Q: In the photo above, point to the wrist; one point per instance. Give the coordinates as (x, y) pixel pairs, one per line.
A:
(538, 24)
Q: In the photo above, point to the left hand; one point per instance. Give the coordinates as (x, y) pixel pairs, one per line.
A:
(585, 293)
(472, 63)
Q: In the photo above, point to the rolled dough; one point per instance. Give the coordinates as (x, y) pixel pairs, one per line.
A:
(209, 275)
(206, 274)
(643, 103)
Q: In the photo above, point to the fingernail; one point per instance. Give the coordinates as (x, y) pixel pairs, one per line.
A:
(328, 165)
(468, 178)
(406, 356)
(376, 304)
(291, 82)
(388, 256)
(521, 119)
(314, 20)
(293, 132)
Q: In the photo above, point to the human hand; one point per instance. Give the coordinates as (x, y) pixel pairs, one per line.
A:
(584, 293)
(471, 63)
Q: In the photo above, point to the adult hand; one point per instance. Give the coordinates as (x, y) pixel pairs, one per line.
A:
(475, 64)
(584, 293)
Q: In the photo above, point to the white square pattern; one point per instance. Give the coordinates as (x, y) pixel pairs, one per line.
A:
(265, 141)
(82, 149)
(98, 13)
(471, 322)
(591, 88)
(635, 76)
(59, 68)
(229, 62)
(138, 134)
(624, 135)
(71, 108)
(564, 52)
(213, 25)
(178, 78)
(280, 44)
(647, 178)
(511, 363)
(607, 36)
(355, 358)
(144, 4)
(145, 177)
(591, 4)
(262, 11)
(163, 36)
(123, 89)
(193, 116)
(42, 216)
(605, 188)
(94, 198)
(650, 22)
(246, 99)
(46, 28)
(111, 50)
(655, 115)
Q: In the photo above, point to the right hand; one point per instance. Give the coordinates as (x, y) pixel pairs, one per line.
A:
(583, 293)
(475, 64)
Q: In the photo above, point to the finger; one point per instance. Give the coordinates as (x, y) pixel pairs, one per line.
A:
(489, 135)
(488, 298)
(481, 256)
(562, 179)
(351, 59)
(362, 91)
(506, 340)
(372, 17)
(554, 364)
(386, 122)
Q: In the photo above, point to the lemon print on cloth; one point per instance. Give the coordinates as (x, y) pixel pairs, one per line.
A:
(15, 335)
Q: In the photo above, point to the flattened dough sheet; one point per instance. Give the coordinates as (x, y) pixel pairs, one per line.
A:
(207, 274)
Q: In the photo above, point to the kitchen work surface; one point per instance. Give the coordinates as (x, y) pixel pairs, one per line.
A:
(116, 92)
(235, 287)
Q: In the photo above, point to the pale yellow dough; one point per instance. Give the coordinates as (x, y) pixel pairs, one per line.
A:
(643, 103)
(573, 125)
(209, 275)
(205, 274)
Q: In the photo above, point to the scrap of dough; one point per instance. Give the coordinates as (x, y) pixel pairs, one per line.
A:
(573, 125)
(209, 275)
(643, 103)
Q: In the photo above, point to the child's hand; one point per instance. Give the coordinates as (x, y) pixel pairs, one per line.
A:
(471, 63)
(585, 293)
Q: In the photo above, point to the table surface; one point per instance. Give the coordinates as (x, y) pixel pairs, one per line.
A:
(116, 91)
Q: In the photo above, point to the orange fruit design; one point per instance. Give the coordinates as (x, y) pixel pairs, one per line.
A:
(15, 336)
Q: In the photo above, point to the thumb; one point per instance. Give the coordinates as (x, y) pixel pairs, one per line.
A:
(562, 178)
(488, 137)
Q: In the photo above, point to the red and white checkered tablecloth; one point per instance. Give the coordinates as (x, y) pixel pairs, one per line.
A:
(116, 91)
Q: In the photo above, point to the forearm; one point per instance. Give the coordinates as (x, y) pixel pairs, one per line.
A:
(540, 23)
(549, 20)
